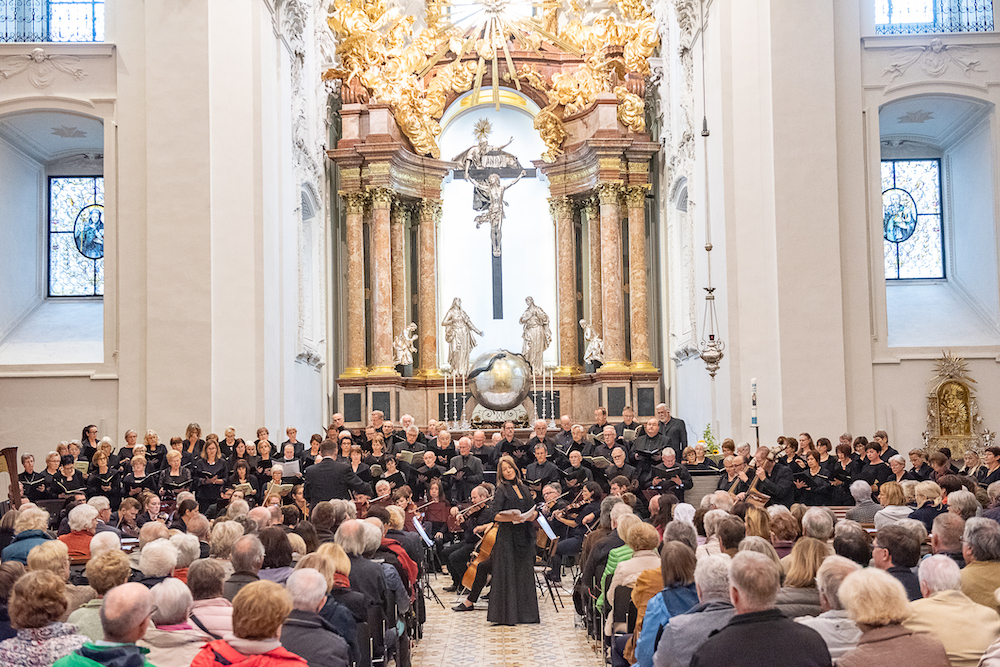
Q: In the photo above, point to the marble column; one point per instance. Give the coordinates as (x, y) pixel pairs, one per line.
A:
(382, 365)
(562, 216)
(611, 278)
(635, 197)
(590, 210)
(354, 202)
(430, 213)
(397, 232)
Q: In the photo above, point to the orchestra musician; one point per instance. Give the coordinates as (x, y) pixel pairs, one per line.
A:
(578, 517)
(472, 522)
(730, 479)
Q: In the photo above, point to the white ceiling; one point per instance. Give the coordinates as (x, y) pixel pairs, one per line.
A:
(48, 136)
(936, 120)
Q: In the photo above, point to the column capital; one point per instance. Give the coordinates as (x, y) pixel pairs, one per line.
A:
(609, 193)
(400, 211)
(635, 195)
(354, 201)
(381, 197)
(560, 207)
(590, 206)
(430, 210)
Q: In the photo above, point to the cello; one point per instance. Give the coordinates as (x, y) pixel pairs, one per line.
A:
(482, 554)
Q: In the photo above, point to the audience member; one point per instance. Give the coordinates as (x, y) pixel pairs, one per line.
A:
(277, 565)
(82, 525)
(877, 602)
(840, 633)
(964, 627)
(224, 536)
(247, 558)
(29, 531)
(946, 537)
(686, 632)
(679, 595)
(211, 612)
(897, 552)
(259, 610)
(799, 595)
(36, 605)
(104, 540)
(125, 615)
(865, 508)
(172, 641)
(853, 547)
(892, 497)
(981, 550)
(10, 572)
(188, 551)
(156, 561)
(54, 557)
(305, 633)
(104, 572)
(755, 632)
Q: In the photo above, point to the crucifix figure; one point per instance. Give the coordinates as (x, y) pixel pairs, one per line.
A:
(483, 166)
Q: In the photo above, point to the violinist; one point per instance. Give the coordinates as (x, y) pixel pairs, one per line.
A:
(468, 471)
(541, 471)
(578, 517)
(403, 499)
(553, 500)
(436, 511)
(472, 522)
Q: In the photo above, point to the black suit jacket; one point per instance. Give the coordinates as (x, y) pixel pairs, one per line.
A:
(751, 639)
(675, 433)
(779, 485)
(332, 479)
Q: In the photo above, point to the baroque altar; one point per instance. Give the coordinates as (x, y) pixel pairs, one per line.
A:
(580, 75)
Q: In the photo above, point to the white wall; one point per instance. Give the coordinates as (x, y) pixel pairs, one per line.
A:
(22, 227)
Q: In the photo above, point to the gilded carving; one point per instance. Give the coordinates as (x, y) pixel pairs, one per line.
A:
(953, 418)
(354, 202)
(376, 46)
(631, 110)
(609, 163)
(635, 196)
(381, 197)
(609, 193)
(560, 207)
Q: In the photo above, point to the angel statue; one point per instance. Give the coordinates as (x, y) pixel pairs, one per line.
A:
(595, 346)
(537, 337)
(402, 346)
(458, 331)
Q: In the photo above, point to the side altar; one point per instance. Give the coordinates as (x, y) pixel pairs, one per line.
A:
(580, 81)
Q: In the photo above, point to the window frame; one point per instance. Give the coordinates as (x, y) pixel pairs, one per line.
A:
(941, 213)
(48, 241)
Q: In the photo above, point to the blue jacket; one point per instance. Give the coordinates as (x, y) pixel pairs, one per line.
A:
(22, 544)
(669, 602)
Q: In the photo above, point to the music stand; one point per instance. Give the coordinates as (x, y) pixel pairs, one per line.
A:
(427, 565)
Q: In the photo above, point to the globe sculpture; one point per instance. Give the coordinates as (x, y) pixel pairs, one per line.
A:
(500, 379)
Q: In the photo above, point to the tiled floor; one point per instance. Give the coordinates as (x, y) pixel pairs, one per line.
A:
(452, 638)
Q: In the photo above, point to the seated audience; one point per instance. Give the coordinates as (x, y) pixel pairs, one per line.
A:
(10, 572)
(103, 541)
(965, 628)
(259, 610)
(156, 562)
(853, 547)
(125, 615)
(865, 508)
(224, 536)
(277, 565)
(104, 572)
(247, 557)
(306, 633)
(202, 529)
(929, 504)
(36, 605)
(964, 504)
(677, 566)
(981, 550)
(82, 526)
(686, 632)
(892, 497)
(897, 552)
(784, 531)
(342, 619)
(172, 641)
(946, 537)
(755, 632)
(53, 556)
(211, 612)
(799, 595)
(840, 633)
(642, 539)
(877, 602)
(30, 529)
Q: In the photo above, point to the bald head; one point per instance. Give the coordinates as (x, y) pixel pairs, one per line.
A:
(125, 613)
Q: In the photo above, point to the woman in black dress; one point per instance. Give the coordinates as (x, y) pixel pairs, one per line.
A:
(512, 594)
(211, 472)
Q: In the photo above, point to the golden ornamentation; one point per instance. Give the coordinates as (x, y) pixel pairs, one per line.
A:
(609, 193)
(377, 47)
(381, 197)
(638, 167)
(354, 202)
(953, 418)
(550, 129)
(379, 169)
(610, 163)
(631, 110)
(560, 208)
(635, 196)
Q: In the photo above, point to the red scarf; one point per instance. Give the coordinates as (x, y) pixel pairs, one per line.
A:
(341, 580)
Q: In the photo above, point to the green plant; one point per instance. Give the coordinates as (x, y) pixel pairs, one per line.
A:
(709, 440)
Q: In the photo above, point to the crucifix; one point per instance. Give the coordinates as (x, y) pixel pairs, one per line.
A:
(484, 166)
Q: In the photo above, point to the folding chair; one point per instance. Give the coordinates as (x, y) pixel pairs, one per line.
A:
(542, 575)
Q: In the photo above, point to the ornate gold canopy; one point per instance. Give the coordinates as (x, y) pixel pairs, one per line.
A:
(562, 57)
(953, 418)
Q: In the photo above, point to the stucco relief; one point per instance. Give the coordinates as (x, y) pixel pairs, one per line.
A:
(40, 66)
(934, 59)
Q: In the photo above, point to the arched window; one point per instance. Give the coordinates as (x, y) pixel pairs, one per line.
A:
(911, 219)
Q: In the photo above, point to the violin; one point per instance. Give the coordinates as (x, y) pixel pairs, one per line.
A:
(455, 521)
(577, 502)
(363, 505)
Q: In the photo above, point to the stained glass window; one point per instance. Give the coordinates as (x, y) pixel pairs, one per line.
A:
(911, 219)
(76, 236)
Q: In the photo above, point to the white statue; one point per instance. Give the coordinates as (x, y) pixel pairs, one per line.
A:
(537, 336)
(402, 346)
(595, 346)
(458, 331)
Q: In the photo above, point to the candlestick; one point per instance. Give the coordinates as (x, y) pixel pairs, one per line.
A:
(534, 398)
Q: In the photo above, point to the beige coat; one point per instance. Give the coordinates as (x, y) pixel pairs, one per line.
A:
(965, 628)
(625, 575)
(980, 580)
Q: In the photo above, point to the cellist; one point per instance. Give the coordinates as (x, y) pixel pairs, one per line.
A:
(473, 522)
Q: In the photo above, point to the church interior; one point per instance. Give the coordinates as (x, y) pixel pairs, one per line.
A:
(767, 217)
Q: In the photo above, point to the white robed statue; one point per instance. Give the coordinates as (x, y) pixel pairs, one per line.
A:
(402, 345)
(458, 331)
(537, 337)
(595, 346)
